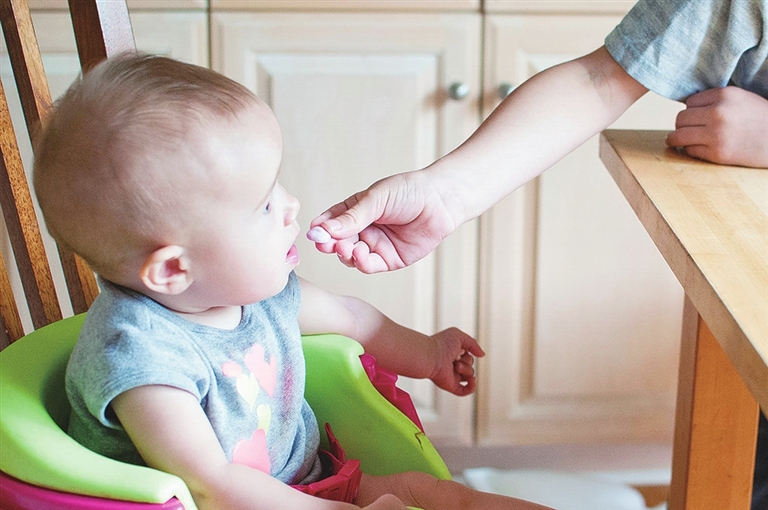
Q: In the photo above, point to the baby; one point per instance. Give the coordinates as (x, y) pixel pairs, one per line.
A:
(163, 177)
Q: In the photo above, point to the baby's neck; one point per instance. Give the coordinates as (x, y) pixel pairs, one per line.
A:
(222, 317)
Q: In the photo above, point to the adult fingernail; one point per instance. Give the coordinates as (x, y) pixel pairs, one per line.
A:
(318, 235)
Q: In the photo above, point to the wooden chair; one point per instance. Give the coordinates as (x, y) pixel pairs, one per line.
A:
(102, 28)
(41, 467)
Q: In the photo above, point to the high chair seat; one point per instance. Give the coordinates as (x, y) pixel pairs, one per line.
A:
(366, 424)
(42, 461)
(36, 450)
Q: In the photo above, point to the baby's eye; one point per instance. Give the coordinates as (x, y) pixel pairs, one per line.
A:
(267, 208)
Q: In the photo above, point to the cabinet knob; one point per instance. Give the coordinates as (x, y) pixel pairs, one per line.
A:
(505, 89)
(458, 90)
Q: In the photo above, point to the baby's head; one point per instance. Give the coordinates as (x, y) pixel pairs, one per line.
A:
(144, 153)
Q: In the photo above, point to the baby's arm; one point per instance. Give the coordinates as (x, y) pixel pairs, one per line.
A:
(173, 434)
(445, 357)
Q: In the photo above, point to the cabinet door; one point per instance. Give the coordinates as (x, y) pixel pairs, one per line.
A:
(181, 35)
(579, 314)
(359, 97)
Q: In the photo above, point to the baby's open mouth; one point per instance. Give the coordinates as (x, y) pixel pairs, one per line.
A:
(292, 257)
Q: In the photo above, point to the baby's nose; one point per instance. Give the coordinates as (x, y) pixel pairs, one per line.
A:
(292, 209)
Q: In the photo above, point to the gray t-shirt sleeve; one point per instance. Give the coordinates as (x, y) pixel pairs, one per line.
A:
(108, 352)
(679, 47)
(107, 361)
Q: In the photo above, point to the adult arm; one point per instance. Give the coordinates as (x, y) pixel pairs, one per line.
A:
(402, 218)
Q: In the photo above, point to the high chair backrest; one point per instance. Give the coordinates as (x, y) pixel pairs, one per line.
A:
(102, 28)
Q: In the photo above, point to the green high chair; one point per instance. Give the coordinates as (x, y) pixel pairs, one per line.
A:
(36, 450)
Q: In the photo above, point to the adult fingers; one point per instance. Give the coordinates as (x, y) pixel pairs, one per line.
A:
(704, 152)
(687, 136)
(351, 216)
(693, 116)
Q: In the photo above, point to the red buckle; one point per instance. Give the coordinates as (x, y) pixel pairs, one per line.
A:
(344, 482)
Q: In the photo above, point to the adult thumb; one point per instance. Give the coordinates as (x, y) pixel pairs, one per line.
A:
(344, 221)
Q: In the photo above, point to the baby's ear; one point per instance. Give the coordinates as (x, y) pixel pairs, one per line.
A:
(166, 271)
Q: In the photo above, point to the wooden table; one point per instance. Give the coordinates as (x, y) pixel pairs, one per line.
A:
(710, 222)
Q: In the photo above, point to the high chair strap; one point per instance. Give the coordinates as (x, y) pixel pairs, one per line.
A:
(343, 481)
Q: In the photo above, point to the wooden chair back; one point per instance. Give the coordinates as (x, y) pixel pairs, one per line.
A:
(102, 28)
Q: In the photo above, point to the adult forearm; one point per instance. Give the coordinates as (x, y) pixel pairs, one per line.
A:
(534, 127)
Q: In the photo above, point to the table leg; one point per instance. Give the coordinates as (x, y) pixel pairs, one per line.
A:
(715, 426)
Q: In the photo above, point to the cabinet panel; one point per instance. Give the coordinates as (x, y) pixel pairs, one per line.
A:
(182, 35)
(62, 5)
(579, 310)
(360, 97)
(347, 5)
(557, 6)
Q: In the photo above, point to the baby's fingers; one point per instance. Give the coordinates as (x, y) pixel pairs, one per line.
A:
(474, 348)
(464, 374)
(465, 387)
(466, 358)
(464, 367)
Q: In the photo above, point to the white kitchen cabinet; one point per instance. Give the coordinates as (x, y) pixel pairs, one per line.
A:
(579, 314)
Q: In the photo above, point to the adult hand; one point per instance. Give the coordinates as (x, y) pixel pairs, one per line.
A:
(391, 225)
(726, 125)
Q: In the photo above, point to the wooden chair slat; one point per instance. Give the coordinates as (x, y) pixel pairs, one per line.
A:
(26, 62)
(11, 328)
(23, 228)
(81, 282)
(102, 29)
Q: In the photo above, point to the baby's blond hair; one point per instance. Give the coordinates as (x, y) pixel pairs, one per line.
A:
(112, 152)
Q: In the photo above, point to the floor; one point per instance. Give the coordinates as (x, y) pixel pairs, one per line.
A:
(575, 490)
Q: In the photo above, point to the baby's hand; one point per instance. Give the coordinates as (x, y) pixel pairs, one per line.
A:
(455, 356)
